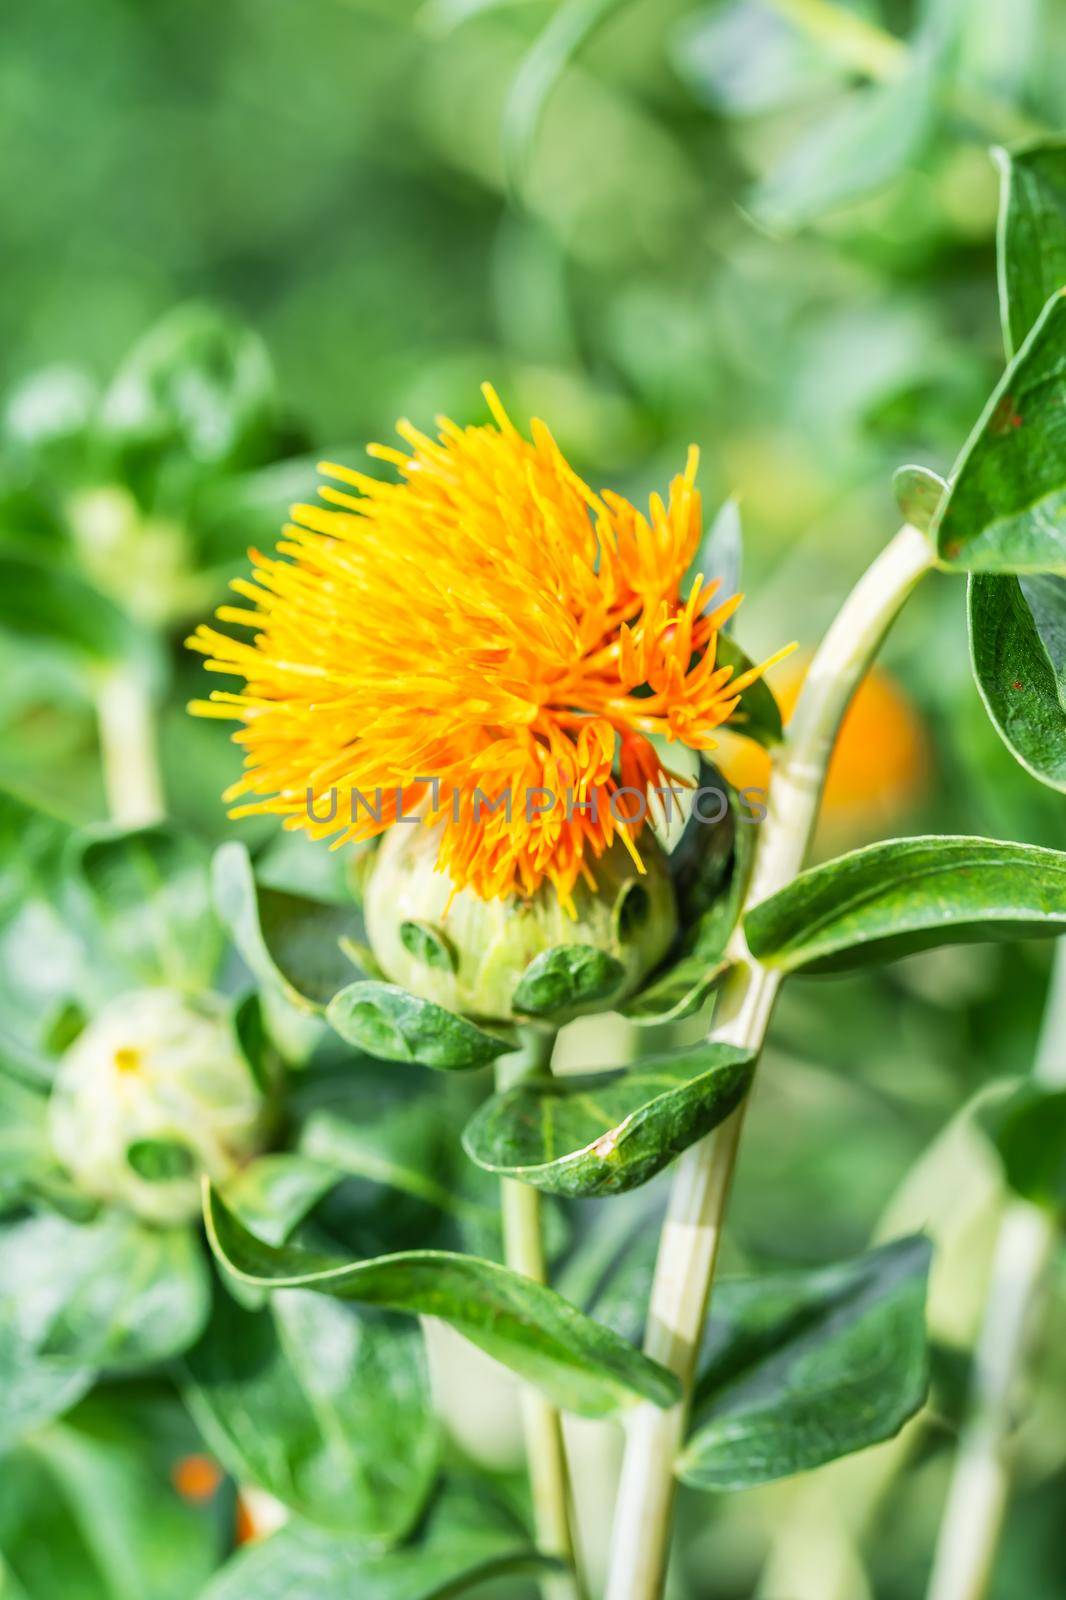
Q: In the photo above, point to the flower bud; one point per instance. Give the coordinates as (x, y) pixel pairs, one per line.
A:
(469, 954)
(153, 1092)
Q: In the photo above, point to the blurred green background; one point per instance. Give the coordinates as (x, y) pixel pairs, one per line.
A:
(764, 227)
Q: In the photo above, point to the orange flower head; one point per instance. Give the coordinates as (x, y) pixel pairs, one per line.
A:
(487, 622)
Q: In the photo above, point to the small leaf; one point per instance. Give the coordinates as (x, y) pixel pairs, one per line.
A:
(804, 1367)
(328, 1410)
(1018, 648)
(1006, 508)
(918, 495)
(469, 1541)
(601, 1133)
(532, 1330)
(567, 978)
(890, 899)
(1032, 234)
(289, 942)
(147, 893)
(393, 1025)
(1029, 1133)
(428, 945)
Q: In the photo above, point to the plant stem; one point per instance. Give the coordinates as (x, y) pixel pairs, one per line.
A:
(688, 1250)
(980, 1485)
(542, 1426)
(128, 747)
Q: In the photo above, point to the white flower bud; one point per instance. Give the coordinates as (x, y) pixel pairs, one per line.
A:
(482, 947)
(153, 1092)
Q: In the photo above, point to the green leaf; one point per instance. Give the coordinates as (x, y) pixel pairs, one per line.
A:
(1018, 648)
(709, 865)
(529, 1328)
(393, 1025)
(272, 1193)
(601, 1133)
(29, 1171)
(804, 1367)
(1032, 234)
(570, 25)
(909, 894)
(402, 1151)
(44, 602)
(289, 942)
(148, 894)
(428, 945)
(1006, 508)
(469, 1540)
(721, 551)
(758, 715)
(565, 979)
(918, 494)
(42, 960)
(25, 1148)
(112, 1292)
(1029, 1133)
(327, 1409)
(89, 1512)
(866, 141)
(35, 1386)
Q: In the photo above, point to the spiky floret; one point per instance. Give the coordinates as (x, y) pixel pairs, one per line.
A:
(488, 622)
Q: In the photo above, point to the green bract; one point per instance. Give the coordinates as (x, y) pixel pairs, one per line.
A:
(487, 958)
(154, 1091)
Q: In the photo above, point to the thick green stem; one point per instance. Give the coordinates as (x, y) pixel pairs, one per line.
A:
(128, 747)
(542, 1425)
(692, 1232)
(980, 1486)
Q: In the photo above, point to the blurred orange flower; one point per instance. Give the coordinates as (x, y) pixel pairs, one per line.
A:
(879, 768)
(196, 1477)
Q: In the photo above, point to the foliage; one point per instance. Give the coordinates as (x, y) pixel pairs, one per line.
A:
(653, 224)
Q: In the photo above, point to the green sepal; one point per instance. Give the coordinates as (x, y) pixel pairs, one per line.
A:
(565, 979)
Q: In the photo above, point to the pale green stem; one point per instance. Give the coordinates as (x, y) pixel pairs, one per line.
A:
(980, 1486)
(128, 748)
(524, 1252)
(691, 1236)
